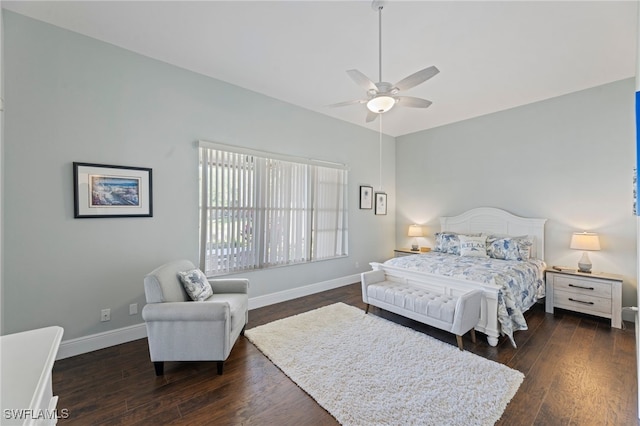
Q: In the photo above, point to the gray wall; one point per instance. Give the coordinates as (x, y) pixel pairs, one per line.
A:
(568, 159)
(72, 98)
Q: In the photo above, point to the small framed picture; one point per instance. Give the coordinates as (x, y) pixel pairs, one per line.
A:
(366, 197)
(381, 203)
(101, 190)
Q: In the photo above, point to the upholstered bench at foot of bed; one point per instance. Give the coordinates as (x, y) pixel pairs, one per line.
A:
(457, 315)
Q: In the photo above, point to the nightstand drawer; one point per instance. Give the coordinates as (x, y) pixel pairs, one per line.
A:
(582, 303)
(576, 286)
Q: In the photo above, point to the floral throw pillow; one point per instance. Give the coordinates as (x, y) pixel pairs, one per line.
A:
(509, 248)
(196, 284)
(447, 242)
(473, 246)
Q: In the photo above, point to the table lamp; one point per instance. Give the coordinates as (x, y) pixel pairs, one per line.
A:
(585, 241)
(415, 231)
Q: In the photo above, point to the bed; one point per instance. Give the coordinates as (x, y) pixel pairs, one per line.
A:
(511, 284)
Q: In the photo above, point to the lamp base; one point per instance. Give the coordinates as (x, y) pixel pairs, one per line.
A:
(414, 247)
(584, 264)
(585, 269)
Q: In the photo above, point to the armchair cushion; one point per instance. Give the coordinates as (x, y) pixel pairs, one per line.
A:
(196, 284)
(238, 307)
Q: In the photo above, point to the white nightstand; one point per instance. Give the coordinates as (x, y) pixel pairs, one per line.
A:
(407, 252)
(404, 252)
(597, 293)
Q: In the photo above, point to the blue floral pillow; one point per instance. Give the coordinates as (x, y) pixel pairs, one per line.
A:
(509, 248)
(447, 242)
(196, 285)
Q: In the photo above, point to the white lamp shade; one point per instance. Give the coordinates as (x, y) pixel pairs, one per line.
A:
(415, 231)
(585, 241)
(381, 104)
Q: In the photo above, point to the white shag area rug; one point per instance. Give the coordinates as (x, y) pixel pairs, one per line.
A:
(365, 370)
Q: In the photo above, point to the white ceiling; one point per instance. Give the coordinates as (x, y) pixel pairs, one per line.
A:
(491, 55)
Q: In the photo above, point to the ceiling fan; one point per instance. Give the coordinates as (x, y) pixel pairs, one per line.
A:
(383, 96)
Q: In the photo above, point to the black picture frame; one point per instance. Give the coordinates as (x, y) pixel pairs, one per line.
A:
(108, 191)
(366, 197)
(381, 203)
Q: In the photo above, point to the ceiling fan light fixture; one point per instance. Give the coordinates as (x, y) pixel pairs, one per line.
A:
(382, 96)
(381, 104)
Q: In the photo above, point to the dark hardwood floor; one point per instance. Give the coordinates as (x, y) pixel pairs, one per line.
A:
(578, 371)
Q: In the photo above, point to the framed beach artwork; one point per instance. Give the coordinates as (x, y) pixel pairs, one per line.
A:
(381, 203)
(101, 191)
(366, 197)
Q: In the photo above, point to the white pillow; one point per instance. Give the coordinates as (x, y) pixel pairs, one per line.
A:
(196, 284)
(473, 246)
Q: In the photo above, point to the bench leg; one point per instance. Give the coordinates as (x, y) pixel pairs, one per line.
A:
(367, 310)
(473, 338)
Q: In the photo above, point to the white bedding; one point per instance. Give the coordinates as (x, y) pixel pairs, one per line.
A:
(521, 282)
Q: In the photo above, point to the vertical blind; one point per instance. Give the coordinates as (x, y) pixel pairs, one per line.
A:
(258, 210)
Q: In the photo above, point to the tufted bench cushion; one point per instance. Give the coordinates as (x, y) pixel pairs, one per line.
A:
(418, 300)
(456, 314)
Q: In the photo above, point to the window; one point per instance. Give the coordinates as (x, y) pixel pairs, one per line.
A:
(259, 210)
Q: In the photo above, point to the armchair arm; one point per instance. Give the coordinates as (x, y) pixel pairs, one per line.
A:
(186, 311)
(229, 285)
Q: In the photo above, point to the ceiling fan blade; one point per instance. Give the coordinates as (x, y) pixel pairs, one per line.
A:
(417, 78)
(410, 101)
(371, 116)
(362, 80)
(339, 104)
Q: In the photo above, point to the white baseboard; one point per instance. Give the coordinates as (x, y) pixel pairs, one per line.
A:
(93, 342)
(294, 293)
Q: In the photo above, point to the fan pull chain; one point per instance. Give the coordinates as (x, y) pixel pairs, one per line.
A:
(380, 154)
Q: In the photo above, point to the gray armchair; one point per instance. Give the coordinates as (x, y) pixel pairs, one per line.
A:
(179, 329)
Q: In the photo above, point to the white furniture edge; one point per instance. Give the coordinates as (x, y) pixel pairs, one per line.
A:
(481, 219)
(26, 368)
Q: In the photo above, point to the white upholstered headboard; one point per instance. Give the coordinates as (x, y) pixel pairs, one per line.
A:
(496, 221)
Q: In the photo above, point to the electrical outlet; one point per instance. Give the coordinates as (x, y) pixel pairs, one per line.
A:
(357, 264)
(105, 315)
(133, 309)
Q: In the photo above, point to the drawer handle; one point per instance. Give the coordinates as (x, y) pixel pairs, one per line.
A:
(579, 286)
(580, 301)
